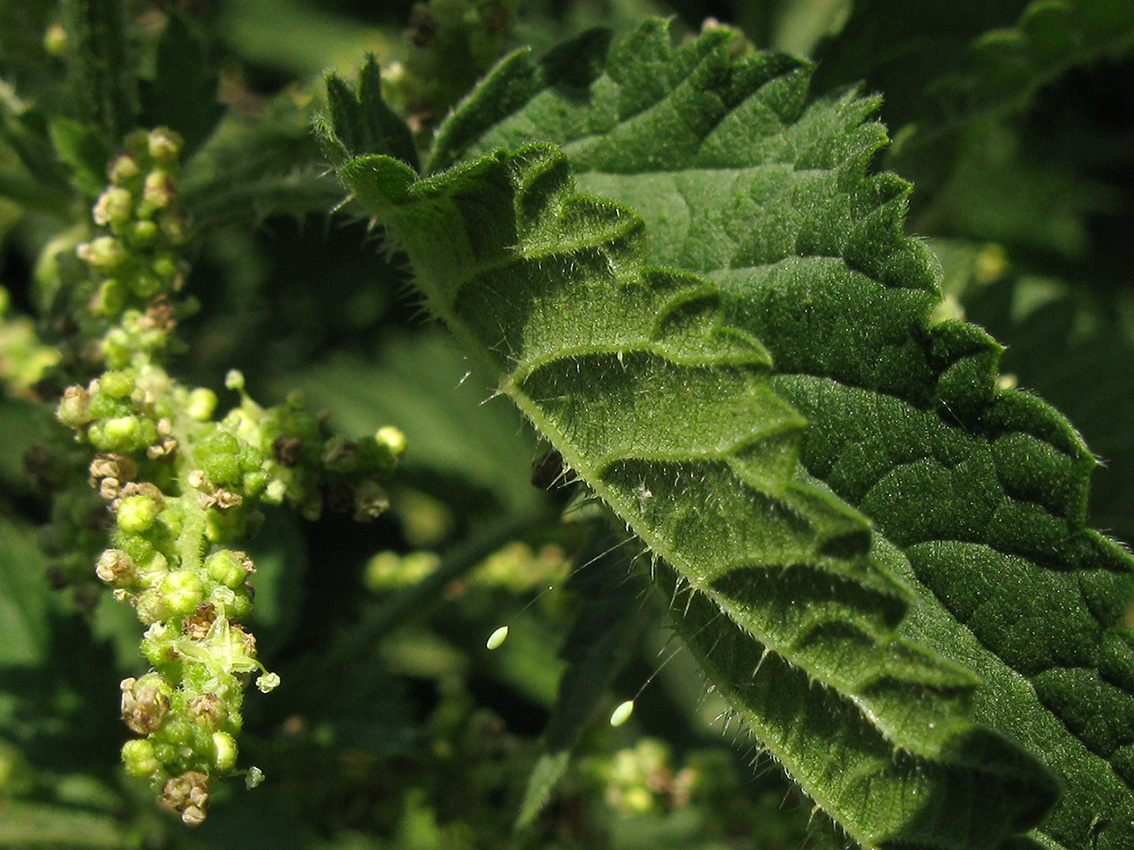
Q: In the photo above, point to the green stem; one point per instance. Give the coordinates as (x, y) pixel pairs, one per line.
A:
(102, 80)
(190, 542)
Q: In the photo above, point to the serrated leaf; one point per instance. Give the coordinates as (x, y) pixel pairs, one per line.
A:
(995, 57)
(82, 148)
(254, 167)
(549, 768)
(1083, 371)
(955, 85)
(1008, 66)
(981, 493)
(667, 414)
(360, 121)
(183, 92)
(26, 131)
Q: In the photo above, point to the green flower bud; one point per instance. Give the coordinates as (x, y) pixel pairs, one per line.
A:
(388, 569)
(124, 169)
(103, 406)
(637, 800)
(159, 190)
(139, 758)
(254, 483)
(117, 348)
(224, 527)
(115, 567)
(152, 339)
(220, 458)
(104, 253)
(240, 606)
(142, 234)
(392, 439)
(201, 404)
(114, 207)
(145, 702)
(116, 384)
(226, 751)
(110, 299)
(74, 409)
(275, 491)
(137, 514)
(56, 41)
(163, 144)
(181, 592)
(165, 266)
(157, 643)
(165, 752)
(146, 284)
(174, 225)
(229, 568)
(151, 610)
(122, 434)
(152, 567)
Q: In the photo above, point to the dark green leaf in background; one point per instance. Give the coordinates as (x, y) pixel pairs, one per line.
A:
(84, 150)
(25, 597)
(421, 385)
(183, 92)
(600, 643)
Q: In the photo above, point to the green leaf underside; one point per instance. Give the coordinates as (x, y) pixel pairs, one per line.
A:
(669, 416)
(979, 493)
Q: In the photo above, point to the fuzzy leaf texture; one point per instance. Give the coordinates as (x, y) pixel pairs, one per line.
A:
(978, 494)
(669, 416)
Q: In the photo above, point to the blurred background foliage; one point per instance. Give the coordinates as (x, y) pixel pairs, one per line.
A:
(394, 727)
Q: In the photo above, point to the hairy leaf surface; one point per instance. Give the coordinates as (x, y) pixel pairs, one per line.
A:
(1086, 373)
(980, 494)
(668, 414)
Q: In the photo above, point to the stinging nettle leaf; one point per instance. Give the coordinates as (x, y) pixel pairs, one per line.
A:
(84, 151)
(666, 412)
(362, 123)
(183, 92)
(978, 494)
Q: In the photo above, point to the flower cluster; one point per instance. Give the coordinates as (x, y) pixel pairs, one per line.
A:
(183, 489)
(641, 780)
(135, 257)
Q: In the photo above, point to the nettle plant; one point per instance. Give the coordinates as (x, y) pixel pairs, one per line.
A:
(691, 278)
